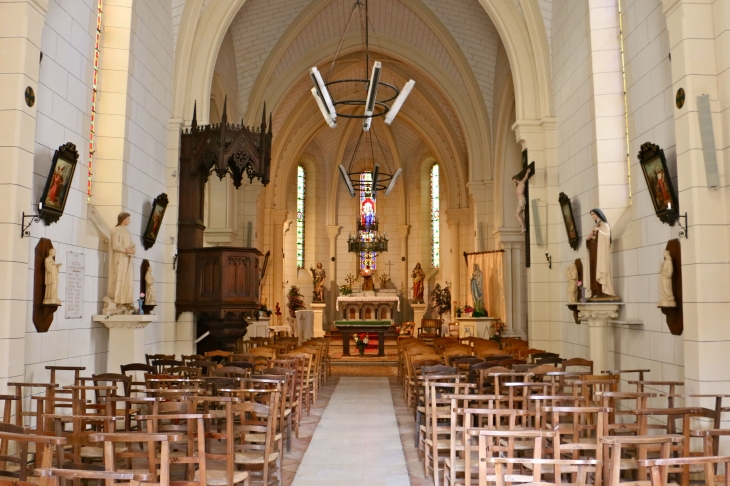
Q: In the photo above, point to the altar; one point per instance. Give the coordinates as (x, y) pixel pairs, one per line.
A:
(349, 327)
(376, 306)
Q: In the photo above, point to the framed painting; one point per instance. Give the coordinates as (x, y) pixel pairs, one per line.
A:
(659, 182)
(566, 209)
(58, 184)
(154, 224)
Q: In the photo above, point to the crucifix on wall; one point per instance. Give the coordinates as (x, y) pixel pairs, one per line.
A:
(522, 213)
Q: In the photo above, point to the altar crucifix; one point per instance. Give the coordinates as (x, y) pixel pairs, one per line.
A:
(522, 213)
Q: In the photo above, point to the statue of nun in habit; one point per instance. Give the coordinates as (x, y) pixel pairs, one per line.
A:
(598, 243)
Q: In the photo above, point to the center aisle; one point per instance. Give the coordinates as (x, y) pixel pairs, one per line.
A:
(357, 440)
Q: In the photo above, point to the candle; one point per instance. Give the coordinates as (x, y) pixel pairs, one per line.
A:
(669, 205)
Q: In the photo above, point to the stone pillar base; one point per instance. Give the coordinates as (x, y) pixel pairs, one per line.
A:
(126, 339)
(318, 310)
(419, 310)
(598, 315)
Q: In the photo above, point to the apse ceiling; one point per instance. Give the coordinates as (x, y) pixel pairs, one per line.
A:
(450, 52)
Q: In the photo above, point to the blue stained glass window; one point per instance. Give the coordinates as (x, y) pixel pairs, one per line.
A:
(435, 210)
(367, 218)
(301, 182)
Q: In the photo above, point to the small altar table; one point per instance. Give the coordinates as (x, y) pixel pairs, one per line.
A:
(369, 307)
(348, 328)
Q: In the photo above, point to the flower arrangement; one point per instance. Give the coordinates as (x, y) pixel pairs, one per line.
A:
(361, 340)
(458, 310)
(277, 310)
(581, 291)
(468, 309)
(345, 290)
(296, 300)
(442, 299)
(263, 310)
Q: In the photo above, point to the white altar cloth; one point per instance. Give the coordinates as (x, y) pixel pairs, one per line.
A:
(370, 300)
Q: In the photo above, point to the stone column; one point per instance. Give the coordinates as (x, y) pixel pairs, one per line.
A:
(278, 217)
(698, 41)
(419, 310)
(332, 290)
(511, 241)
(403, 231)
(20, 44)
(454, 218)
(598, 316)
(126, 339)
(318, 310)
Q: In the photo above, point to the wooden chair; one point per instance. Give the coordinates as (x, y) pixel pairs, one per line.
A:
(583, 363)
(206, 366)
(23, 389)
(437, 437)
(659, 468)
(218, 355)
(493, 443)
(578, 432)
(430, 329)
(582, 467)
(149, 358)
(191, 357)
(136, 372)
(187, 428)
(257, 457)
(46, 447)
(288, 404)
(613, 447)
(52, 475)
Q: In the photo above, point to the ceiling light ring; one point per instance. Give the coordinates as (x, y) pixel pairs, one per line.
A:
(382, 104)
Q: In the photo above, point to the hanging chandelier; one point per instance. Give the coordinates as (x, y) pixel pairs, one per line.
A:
(366, 107)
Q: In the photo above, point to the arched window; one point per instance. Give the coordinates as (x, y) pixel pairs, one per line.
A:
(301, 184)
(367, 219)
(435, 210)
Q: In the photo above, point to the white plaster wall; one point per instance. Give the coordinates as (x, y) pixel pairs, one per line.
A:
(637, 249)
(64, 106)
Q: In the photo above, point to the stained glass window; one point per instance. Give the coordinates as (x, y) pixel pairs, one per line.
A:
(368, 221)
(435, 210)
(301, 183)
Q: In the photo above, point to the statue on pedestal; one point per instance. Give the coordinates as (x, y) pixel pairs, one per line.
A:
(120, 294)
(418, 278)
(150, 297)
(318, 276)
(52, 269)
(521, 201)
(572, 274)
(477, 280)
(367, 278)
(665, 282)
(598, 243)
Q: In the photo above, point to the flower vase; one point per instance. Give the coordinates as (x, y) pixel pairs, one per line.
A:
(583, 295)
(141, 305)
(361, 349)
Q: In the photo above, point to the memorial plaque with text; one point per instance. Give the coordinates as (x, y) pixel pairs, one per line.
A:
(74, 285)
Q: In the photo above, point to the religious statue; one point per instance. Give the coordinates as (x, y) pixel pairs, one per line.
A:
(572, 274)
(120, 294)
(52, 268)
(384, 277)
(318, 276)
(665, 282)
(598, 243)
(367, 278)
(150, 297)
(418, 278)
(477, 281)
(521, 201)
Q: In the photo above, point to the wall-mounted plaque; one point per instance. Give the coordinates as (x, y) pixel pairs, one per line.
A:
(75, 266)
(58, 184)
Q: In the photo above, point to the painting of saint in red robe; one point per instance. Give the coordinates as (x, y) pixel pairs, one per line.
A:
(59, 185)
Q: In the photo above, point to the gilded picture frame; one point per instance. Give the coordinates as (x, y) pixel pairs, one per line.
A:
(154, 223)
(659, 182)
(566, 209)
(58, 184)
